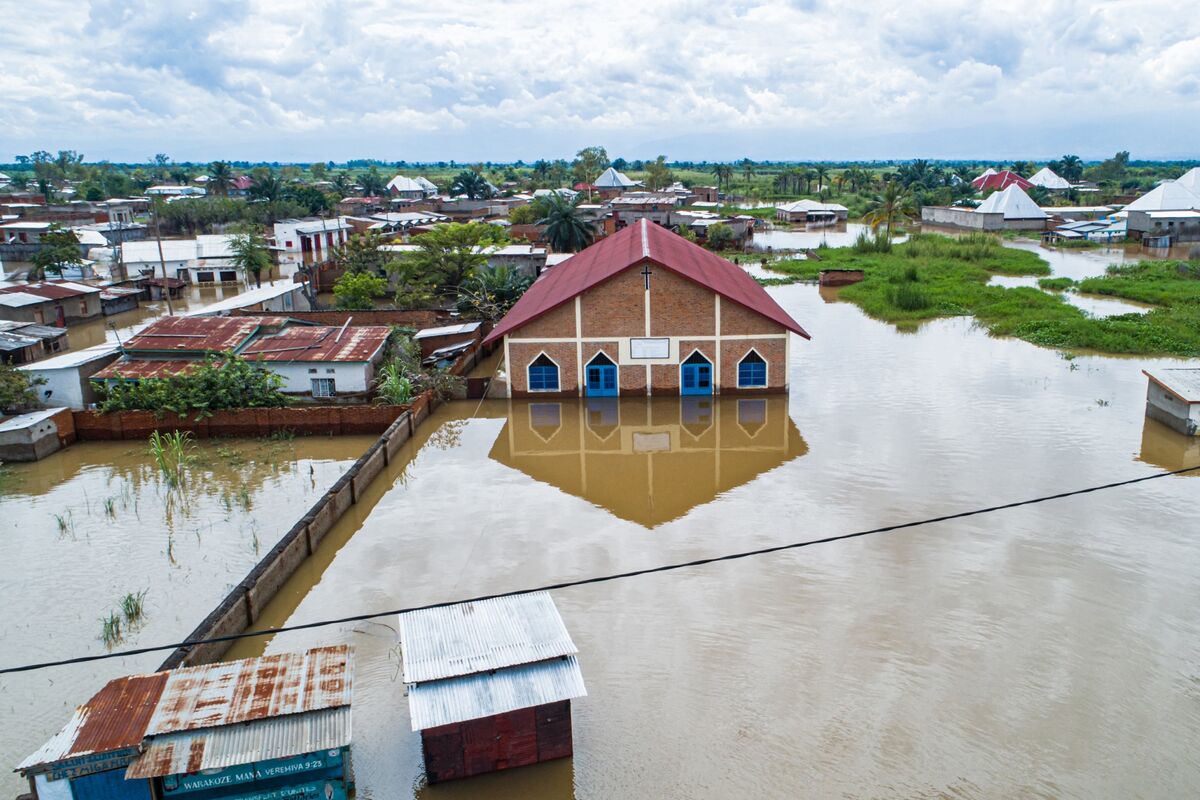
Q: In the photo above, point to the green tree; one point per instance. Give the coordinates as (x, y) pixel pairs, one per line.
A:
(17, 390)
(566, 229)
(317, 170)
(747, 171)
(723, 173)
(356, 291)
(266, 186)
(220, 178)
(472, 184)
(658, 175)
(720, 236)
(220, 381)
(490, 293)
(589, 163)
(249, 252)
(451, 253)
(59, 250)
(1069, 167)
(372, 183)
(361, 254)
(523, 215)
(895, 203)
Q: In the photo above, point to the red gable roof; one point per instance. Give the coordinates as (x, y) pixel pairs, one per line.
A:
(643, 241)
(1000, 180)
(324, 343)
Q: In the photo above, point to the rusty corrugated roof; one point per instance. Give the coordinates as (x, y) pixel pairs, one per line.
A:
(199, 334)
(639, 243)
(320, 344)
(114, 719)
(143, 368)
(127, 710)
(253, 688)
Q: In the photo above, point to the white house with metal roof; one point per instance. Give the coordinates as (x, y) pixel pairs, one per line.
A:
(1173, 398)
(1050, 180)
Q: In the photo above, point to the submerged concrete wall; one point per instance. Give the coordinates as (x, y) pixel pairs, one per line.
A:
(248, 422)
(243, 606)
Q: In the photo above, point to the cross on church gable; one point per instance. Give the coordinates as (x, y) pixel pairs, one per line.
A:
(647, 273)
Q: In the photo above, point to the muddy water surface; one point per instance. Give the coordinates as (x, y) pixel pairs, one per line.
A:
(89, 524)
(1046, 651)
(120, 327)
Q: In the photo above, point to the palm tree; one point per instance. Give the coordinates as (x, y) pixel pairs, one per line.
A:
(220, 178)
(822, 172)
(472, 184)
(895, 203)
(372, 183)
(1072, 168)
(249, 252)
(807, 175)
(747, 170)
(266, 187)
(566, 229)
(718, 172)
(840, 180)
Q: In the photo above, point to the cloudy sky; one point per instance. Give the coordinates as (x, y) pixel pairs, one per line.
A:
(481, 80)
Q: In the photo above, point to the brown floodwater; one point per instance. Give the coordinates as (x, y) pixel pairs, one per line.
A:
(1045, 651)
(87, 525)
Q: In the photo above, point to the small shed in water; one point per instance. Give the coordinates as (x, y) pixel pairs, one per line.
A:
(270, 727)
(490, 684)
(1173, 398)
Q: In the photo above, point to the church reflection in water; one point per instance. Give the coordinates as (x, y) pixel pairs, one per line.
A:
(648, 460)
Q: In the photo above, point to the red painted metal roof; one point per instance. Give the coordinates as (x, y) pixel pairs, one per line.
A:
(641, 242)
(198, 335)
(1000, 180)
(51, 290)
(325, 343)
(114, 719)
(143, 368)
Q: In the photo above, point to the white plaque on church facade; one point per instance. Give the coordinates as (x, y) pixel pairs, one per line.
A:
(650, 348)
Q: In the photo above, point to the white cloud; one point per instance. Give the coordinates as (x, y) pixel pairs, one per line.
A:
(527, 78)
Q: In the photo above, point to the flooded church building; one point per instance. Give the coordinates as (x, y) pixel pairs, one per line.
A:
(645, 312)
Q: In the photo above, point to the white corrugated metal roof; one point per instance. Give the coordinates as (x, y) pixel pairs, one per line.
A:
(1048, 179)
(611, 178)
(18, 299)
(74, 358)
(484, 635)
(1185, 383)
(1167, 196)
(230, 745)
(485, 694)
(250, 297)
(447, 330)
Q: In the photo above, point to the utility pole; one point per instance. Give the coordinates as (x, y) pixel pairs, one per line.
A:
(161, 259)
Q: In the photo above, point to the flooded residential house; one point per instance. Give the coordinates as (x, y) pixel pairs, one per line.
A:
(1173, 398)
(314, 237)
(490, 684)
(641, 312)
(812, 211)
(1009, 209)
(318, 361)
(276, 726)
(25, 342)
(57, 303)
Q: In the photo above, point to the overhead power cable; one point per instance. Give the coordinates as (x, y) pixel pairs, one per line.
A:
(699, 562)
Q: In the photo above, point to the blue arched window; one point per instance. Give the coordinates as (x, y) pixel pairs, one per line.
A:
(543, 375)
(752, 370)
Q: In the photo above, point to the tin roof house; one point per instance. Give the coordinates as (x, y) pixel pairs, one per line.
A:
(275, 726)
(1173, 398)
(1050, 180)
(490, 684)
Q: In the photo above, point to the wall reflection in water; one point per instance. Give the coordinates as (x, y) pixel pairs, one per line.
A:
(648, 460)
(1169, 449)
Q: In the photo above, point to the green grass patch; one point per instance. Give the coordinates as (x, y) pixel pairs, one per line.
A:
(1056, 284)
(1077, 244)
(933, 276)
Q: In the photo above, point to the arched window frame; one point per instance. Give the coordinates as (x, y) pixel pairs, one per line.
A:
(766, 381)
(557, 374)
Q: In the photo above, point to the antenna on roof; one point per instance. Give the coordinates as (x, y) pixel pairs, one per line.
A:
(338, 338)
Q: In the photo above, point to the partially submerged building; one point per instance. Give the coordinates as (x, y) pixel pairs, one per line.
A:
(68, 377)
(26, 342)
(271, 727)
(644, 311)
(490, 684)
(809, 211)
(320, 361)
(1173, 398)
(1007, 210)
(313, 236)
(57, 303)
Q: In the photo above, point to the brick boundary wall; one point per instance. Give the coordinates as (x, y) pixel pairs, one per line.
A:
(247, 422)
(415, 318)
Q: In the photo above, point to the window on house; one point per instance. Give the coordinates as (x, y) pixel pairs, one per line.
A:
(228, 276)
(312, 370)
(204, 277)
(543, 375)
(752, 370)
(329, 370)
(83, 312)
(323, 387)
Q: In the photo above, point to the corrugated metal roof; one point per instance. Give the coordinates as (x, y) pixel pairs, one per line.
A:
(641, 242)
(253, 688)
(144, 368)
(484, 635)
(230, 745)
(447, 330)
(198, 334)
(482, 695)
(1183, 383)
(114, 719)
(320, 344)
